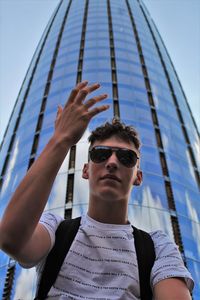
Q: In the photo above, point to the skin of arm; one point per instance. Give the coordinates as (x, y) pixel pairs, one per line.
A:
(21, 236)
(171, 289)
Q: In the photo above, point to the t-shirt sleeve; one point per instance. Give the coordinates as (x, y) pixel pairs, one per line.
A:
(51, 223)
(168, 261)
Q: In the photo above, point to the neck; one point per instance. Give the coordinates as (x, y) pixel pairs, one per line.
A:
(109, 212)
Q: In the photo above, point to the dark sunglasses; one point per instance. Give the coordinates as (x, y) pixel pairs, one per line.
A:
(127, 157)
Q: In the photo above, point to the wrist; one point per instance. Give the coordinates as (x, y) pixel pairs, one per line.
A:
(60, 144)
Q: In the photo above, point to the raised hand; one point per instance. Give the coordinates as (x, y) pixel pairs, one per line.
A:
(72, 120)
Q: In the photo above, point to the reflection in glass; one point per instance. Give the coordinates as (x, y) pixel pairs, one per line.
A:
(81, 189)
(81, 153)
(3, 259)
(139, 216)
(194, 267)
(2, 279)
(79, 210)
(24, 284)
(58, 192)
(151, 193)
(190, 232)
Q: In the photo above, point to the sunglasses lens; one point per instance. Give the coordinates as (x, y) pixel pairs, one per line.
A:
(127, 157)
(99, 155)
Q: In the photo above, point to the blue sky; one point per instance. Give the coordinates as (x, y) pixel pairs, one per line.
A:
(23, 21)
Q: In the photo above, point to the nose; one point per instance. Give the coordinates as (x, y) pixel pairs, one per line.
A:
(112, 162)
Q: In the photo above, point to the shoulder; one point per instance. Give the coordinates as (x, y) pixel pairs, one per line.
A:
(168, 262)
(162, 240)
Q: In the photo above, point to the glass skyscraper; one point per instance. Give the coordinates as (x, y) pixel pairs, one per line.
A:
(116, 43)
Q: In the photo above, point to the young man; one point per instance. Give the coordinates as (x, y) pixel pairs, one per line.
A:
(101, 263)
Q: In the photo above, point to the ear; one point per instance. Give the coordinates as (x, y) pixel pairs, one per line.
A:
(85, 173)
(139, 178)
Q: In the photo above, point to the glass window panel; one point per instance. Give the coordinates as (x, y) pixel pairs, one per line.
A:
(71, 46)
(140, 113)
(147, 134)
(37, 94)
(92, 34)
(49, 118)
(82, 151)
(12, 179)
(81, 189)
(150, 161)
(155, 191)
(192, 203)
(44, 138)
(139, 217)
(53, 101)
(62, 83)
(70, 62)
(28, 129)
(4, 259)
(190, 232)
(3, 154)
(96, 52)
(194, 268)
(121, 31)
(63, 70)
(24, 283)
(129, 53)
(179, 170)
(27, 120)
(125, 93)
(160, 220)
(58, 192)
(151, 193)
(180, 195)
(100, 77)
(2, 279)
(123, 64)
(129, 78)
(79, 210)
(17, 155)
(92, 43)
(98, 64)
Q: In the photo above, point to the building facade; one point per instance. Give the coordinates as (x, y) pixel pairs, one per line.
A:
(116, 43)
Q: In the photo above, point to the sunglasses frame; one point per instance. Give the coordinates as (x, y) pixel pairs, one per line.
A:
(114, 149)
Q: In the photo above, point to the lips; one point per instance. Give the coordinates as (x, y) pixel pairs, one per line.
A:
(109, 176)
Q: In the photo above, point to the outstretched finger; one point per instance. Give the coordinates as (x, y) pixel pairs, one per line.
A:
(94, 100)
(85, 91)
(76, 90)
(97, 110)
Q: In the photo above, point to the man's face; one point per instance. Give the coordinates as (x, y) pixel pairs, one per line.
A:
(110, 179)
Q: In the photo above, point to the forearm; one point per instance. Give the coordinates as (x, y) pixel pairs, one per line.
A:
(27, 204)
(171, 289)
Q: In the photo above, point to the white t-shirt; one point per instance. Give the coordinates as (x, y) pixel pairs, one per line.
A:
(102, 265)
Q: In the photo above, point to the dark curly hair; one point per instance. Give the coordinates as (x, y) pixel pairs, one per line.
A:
(115, 128)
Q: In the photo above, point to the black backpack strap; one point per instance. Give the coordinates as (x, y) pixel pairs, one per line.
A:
(145, 252)
(65, 235)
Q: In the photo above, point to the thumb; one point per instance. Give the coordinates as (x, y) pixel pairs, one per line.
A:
(59, 112)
